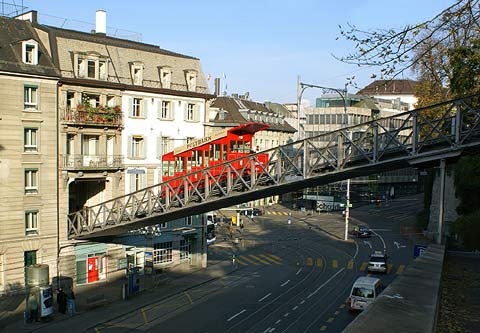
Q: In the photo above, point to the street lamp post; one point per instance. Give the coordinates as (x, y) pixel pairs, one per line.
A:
(343, 94)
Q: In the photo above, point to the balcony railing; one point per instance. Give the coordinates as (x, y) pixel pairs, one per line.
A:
(91, 162)
(103, 116)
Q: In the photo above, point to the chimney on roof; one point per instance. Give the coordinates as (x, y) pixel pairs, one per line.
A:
(101, 22)
(217, 86)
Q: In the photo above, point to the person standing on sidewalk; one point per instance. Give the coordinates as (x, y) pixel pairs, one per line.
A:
(32, 307)
(71, 301)
(62, 301)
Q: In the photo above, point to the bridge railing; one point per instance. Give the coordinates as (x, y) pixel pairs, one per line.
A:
(441, 127)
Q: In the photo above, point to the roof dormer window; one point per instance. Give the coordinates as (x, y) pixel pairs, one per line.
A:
(136, 70)
(30, 52)
(191, 77)
(166, 77)
(91, 66)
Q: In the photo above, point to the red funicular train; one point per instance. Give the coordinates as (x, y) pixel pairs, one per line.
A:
(217, 148)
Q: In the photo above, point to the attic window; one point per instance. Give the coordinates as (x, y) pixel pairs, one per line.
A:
(92, 66)
(191, 77)
(30, 52)
(136, 70)
(166, 77)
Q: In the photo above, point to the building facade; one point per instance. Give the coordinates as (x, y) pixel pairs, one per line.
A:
(88, 120)
(28, 154)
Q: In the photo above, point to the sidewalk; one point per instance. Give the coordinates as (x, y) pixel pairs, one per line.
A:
(88, 320)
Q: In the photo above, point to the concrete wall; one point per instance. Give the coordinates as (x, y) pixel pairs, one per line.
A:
(450, 203)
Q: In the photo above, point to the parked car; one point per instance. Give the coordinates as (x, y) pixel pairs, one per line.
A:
(361, 232)
(378, 262)
(252, 211)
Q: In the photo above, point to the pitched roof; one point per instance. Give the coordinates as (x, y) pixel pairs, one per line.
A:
(12, 34)
(389, 87)
(234, 106)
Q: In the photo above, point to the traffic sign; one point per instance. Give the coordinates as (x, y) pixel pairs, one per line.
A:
(418, 250)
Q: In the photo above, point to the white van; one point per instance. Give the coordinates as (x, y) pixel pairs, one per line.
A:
(364, 291)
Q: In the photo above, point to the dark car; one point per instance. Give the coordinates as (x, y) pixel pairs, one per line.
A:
(362, 232)
(252, 211)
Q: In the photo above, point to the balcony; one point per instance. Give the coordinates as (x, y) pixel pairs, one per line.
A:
(104, 116)
(91, 162)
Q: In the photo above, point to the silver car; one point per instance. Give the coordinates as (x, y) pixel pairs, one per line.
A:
(378, 262)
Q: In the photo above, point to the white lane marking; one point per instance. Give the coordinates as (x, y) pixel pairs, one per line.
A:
(356, 250)
(285, 283)
(271, 330)
(367, 243)
(302, 301)
(286, 314)
(383, 242)
(266, 330)
(295, 307)
(397, 244)
(238, 314)
(267, 295)
(323, 285)
(278, 322)
(298, 272)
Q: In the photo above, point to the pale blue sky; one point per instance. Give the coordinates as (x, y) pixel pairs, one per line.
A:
(260, 45)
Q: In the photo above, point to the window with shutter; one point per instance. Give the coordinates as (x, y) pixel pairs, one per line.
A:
(144, 108)
(144, 147)
(129, 147)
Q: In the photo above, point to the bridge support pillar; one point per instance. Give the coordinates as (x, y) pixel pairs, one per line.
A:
(441, 201)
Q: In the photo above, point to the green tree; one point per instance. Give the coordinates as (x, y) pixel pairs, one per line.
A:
(423, 48)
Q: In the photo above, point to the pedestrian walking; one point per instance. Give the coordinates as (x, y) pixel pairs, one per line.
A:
(32, 307)
(62, 301)
(71, 302)
(233, 260)
(241, 225)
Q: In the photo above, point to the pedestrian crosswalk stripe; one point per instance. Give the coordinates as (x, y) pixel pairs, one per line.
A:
(334, 263)
(275, 261)
(389, 268)
(249, 260)
(239, 261)
(261, 260)
(400, 269)
(274, 257)
(309, 262)
(363, 266)
(323, 328)
(350, 264)
(319, 262)
(276, 213)
(329, 320)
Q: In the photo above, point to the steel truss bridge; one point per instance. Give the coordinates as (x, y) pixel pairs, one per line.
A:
(421, 137)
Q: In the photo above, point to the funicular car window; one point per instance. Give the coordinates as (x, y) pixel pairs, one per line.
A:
(205, 158)
(224, 152)
(362, 292)
(179, 163)
(216, 152)
(240, 146)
